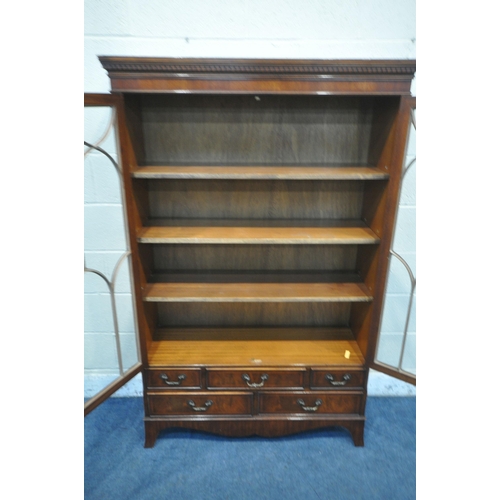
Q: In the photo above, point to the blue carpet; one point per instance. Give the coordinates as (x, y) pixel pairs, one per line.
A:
(189, 465)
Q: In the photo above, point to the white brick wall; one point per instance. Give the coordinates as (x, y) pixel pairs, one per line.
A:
(365, 29)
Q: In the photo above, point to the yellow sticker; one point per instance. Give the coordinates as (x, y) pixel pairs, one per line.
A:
(347, 354)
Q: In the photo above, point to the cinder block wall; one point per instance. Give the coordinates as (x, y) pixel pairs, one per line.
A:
(315, 29)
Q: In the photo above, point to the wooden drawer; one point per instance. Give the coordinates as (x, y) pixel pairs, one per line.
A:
(261, 379)
(337, 379)
(174, 379)
(202, 404)
(311, 403)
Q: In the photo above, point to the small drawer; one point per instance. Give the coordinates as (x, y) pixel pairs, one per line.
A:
(174, 379)
(261, 379)
(311, 403)
(337, 379)
(203, 404)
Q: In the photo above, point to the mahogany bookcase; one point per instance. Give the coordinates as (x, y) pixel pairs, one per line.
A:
(261, 198)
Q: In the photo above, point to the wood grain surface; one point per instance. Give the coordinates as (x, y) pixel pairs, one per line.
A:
(254, 347)
(255, 199)
(273, 235)
(255, 257)
(256, 292)
(252, 130)
(260, 172)
(253, 314)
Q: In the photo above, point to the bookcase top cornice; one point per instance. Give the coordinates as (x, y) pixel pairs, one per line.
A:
(287, 66)
(149, 74)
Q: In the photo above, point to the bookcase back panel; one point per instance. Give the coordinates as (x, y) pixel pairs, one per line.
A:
(262, 199)
(252, 314)
(247, 129)
(263, 258)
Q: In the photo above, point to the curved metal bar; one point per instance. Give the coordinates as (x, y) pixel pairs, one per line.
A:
(105, 153)
(117, 266)
(405, 335)
(413, 282)
(106, 132)
(111, 287)
(408, 268)
(95, 271)
(117, 332)
(408, 168)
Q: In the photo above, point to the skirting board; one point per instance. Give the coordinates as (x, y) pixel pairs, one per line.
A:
(379, 384)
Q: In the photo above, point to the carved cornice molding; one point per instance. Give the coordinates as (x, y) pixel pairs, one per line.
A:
(311, 67)
(302, 76)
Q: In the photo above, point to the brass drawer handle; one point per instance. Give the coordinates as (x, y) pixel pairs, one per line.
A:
(179, 380)
(263, 379)
(318, 403)
(208, 404)
(332, 380)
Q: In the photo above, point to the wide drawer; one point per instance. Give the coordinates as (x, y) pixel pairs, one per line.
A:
(310, 402)
(174, 379)
(204, 403)
(337, 379)
(255, 379)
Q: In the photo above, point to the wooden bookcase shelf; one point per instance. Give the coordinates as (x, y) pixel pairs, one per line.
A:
(257, 292)
(256, 235)
(255, 347)
(261, 199)
(259, 172)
